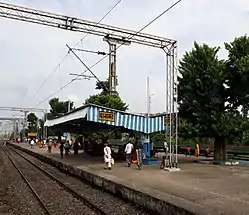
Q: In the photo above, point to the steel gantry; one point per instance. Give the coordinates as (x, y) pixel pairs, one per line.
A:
(113, 35)
(15, 121)
(23, 109)
(26, 111)
(10, 119)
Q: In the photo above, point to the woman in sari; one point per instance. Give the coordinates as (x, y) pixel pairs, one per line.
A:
(197, 150)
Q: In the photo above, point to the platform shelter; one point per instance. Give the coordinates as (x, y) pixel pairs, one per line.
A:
(96, 117)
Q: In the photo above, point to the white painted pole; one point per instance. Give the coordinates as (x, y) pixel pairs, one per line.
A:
(148, 96)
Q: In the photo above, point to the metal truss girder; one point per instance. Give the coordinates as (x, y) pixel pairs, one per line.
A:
(80, 25)
(22, 109)
(9, 119)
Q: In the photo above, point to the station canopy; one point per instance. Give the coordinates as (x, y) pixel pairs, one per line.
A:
(97, 118)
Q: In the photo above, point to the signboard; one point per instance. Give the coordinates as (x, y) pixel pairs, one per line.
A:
(65, 134)
(167, 119)
(106, 116)
(32, 134)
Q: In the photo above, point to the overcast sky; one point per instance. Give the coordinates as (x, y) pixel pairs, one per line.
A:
(29, 53)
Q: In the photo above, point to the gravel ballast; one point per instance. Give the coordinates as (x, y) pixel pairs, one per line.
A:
(110, 204)
(56, 198)
(15, 195)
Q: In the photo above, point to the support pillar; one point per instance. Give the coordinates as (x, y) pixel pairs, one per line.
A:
(171, 106)
(24, 125)
(45, 128)
(113, 80)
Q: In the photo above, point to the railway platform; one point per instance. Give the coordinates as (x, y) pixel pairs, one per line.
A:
(196, 189)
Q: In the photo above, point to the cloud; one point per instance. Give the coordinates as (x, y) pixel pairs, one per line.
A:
(29, 53)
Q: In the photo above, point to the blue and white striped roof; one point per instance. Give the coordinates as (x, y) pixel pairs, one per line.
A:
(130, 121)
(135, 122)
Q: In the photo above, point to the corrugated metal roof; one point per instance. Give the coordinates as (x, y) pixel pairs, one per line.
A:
(78, 114)
(130, 121)
(121, 119)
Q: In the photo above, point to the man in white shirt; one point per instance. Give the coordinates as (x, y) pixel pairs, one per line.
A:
(166, 148)
(107, 156)
(32, 144)
(128, 151)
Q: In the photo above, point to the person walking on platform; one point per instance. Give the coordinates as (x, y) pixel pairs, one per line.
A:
(207, 152)
(197, 150)
(61, 149)
(139, 154)
(32, 144)
(128, 151)
(166, 148)
(76, 147)
(50, 143)
(188, 151)
(107, 156)
(67, 148)
(44, 143)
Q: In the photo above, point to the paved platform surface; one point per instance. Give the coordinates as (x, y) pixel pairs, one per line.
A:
(225, 190)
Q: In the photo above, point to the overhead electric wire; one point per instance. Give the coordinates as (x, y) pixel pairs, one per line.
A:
(64, 58)
(70, 49)
(90, 51)
(97, 62)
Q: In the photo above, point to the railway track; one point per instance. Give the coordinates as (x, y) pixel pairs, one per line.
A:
(41, 183)
(109, 204)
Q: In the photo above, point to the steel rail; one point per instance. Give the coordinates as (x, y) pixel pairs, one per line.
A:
(70, 190)
(27, 182)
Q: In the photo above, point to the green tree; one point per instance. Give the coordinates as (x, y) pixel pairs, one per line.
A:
(41, 127)
(238, 73)
(23, 133)
(158, 138)
(208, 99)
(32, 120)
(58, 108)
(103, 86)
(105, 99)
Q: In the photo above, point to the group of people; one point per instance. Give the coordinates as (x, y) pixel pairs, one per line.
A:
(197, 151)
(41, 143)
(67, 146)
(131, 154)
(70, 144)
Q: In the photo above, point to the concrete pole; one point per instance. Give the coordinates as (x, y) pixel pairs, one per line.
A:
(69, 106)
(148, 96)
(24, 125)
(45, 127)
